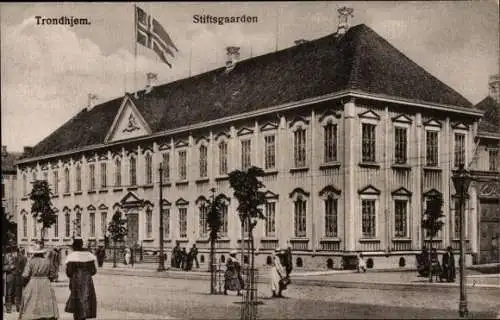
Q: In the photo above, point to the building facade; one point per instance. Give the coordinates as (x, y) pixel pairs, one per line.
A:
(351, 145)
(9, 182)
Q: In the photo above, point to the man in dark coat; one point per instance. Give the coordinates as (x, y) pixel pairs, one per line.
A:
(175, 256)
(80, 267)
(8, 269)
(288, 261)
(184, 259)
(194, 255)
(449, 265)
(20, 264)
(101, 255)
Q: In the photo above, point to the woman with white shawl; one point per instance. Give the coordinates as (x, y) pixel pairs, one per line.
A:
(277, 274)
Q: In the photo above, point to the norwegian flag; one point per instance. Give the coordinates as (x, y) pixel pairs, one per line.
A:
(151, 34)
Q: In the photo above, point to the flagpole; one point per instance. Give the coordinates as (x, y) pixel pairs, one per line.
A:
(135, 49)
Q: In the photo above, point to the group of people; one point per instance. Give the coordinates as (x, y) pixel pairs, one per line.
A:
(28, 282)
(181, 259)
(446, 270)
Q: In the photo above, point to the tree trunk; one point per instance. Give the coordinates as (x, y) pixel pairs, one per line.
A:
(211, 268)
(114, 254)
(252, 265)
(430, 259)
(41, 237)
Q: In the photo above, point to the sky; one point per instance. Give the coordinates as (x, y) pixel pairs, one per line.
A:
(47, 71)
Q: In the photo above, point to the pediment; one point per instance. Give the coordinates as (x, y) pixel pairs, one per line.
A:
(369, 114)
(222, 134)
(402, 192)
(67, 209)
(131, 199)
(202, 139)
(432, 193)
(148, 203)
(91, 208)
(271, 195)
(298, 192)
(330, 113)
(433, 123)
(244, 131)
(164, 146)
(402, 118)
(369, 190)
(201, 200)
(103, 157)
(181, 144)
(269, 126)
(77, 208)
(330, 189)
(128, 123)
(116, 206)
(147, 148)
(299, 120)
(165, 203)
(460, 126)
(181, 202)
(103, 207)
(45, 166)
(223, 197)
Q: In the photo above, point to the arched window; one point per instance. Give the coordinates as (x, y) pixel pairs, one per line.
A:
(66, 180)
(149, 169)
(118, 172)
(149, 223)
(25, 226)
(222, 158)
(203, 161)
(67, 224)
(78, 178)
(78, 223)
(56, 225)
(133, 171)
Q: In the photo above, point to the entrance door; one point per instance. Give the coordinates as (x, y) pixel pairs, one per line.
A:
(489, 231)
(132, 229)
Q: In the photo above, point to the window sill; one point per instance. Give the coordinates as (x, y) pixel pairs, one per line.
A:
(432, 168)
(401, 239)
(55, 196)
(402, 166)
(103, 191)
(207, 240)
(299, 169)
(269, 239)
(372, 165)
(149, 240)
(332, 239)
(166, 184)
(220, 178)
(91, 192)
(78, 193)
(34, 239)
(182, 183)
(183, 240)
(270, 172)
(65, 195)
(148, 186)
(117, 189)
(369, 240)
(91, 239)
(24, 239)
(54, 239)
(24, 198)
(224, 239)
(299, 239)
(132, 188)
(66, 239)
(167, 240)
(330, 165)
(202, 180)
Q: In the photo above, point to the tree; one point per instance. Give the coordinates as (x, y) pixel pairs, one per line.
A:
(214, 223)
(117, 231)
(41, 208)
(432, 222)
(246, 185)
(9, 230)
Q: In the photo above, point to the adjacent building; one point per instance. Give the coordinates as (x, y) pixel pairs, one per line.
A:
(9, 183)
(352, 134)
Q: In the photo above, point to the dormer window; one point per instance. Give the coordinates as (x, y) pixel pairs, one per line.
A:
(133, 171)
(203, 161)
(368, 144)
(330, 142)
(148, 168)
(459, 149)
(299, 147)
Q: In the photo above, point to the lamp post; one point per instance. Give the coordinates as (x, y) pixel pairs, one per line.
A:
(161, 266)
(461, 182)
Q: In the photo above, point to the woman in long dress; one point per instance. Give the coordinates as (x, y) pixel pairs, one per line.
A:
(80, 267)
(232, 275)
(278, 273)
(39, 299)
(128, 255)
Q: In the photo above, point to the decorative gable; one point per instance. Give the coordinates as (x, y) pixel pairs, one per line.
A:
(432, 123)
(91, 208)
(460, 126)
(202, 139)
(244, 131)
(103, 207)
(165, 203)
(269, 126)
(270, 195)
(131, 200)
(128, 123)
(402, 118)
(329, 190)
(201, 200)
(181, 144)
(369, 190)
(298, 193)
(432, 193)
(148, 203)
(402, 192)
(181, 202)
(164, 146)
(330, 113)
(298, 119)
(369, 114)
(222, 134)
(77, 208)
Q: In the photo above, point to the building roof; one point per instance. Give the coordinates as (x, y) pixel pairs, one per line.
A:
(359, 60)
(8, 162)
(491, 119)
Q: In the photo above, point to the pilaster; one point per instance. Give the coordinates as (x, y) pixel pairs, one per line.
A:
(283, 213)
(447, 161)
(313, 173)
(417, 203)
(349, 175)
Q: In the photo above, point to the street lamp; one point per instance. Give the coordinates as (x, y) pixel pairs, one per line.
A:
(461, 182)
(161, 266)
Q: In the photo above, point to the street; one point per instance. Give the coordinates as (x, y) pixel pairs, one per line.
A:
(135, 297)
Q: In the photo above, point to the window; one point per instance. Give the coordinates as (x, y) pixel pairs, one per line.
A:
(55, 181)
(299, 147)
(203, 161)
(92, 177)
(92, 224)
(203, 221)
(118, 173)
(368, 142)
(25, 185)
(400, 218)
(104, 224)
(224, 221)
(456, 219)
(149, 223)
(67, 225)
(149, 169)
(78, 224)
(270, 219)
(46, 176)
(331, 217)
(78, 178)
(493, 160)
(246, 154)
(25, 226)
(33, 176)
(183, 222)
(300, 218)
(66, 180)
(166, 166)
(368, 218)
(270, 152)
(166, 223)
(222, 158)
(330, 132)
(56, 227)
(103, 175)
(182, 165)
(35, 233)
(431, 148)
(459, 149)
(400, 145)
(133, 171)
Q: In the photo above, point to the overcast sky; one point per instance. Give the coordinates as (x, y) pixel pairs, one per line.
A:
(48, 71)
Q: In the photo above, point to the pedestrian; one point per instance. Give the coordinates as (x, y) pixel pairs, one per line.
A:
(128, 255)
(361, 263)
(9, 267)
(184, 259)
(175, 256)
(278, 273)
(288, 261)
(449, 265)
(20, 264)
(435, 268)
(80, 267)
(55, 260)
(38, 298)
(194, 255)
(101, 255)
(232, 275)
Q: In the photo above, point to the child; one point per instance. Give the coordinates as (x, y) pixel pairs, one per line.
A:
(361, 263)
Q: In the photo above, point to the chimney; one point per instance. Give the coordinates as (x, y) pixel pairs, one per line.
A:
(344, 14)
(233, 55)
(27, 151)
(151, 80)
(300, 41)
(4, 150)
(494, 85)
